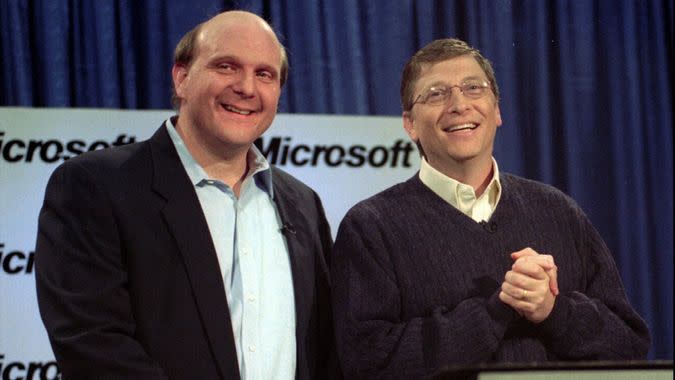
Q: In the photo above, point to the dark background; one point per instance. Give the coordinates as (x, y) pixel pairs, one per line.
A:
(586, 90)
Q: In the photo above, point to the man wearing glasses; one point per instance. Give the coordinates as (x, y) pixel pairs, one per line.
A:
(459, 264)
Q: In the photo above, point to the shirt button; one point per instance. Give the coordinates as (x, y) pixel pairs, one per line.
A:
(251, 298)
(251, 348)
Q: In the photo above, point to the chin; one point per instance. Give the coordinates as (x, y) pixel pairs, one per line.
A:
(464, 157)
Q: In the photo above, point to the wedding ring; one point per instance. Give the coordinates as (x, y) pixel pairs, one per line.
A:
(524, 294)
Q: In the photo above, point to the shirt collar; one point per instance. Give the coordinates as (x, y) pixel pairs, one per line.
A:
(457, 193)
(259, 167)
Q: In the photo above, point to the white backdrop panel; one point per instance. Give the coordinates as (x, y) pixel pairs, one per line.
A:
(344, 158)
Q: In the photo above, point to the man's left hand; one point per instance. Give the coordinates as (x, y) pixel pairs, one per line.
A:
(528, 286)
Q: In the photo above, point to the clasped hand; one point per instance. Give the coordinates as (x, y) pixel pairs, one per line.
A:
(530, 287)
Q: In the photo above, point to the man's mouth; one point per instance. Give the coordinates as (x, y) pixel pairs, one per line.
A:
(237, 110)
(460, 127)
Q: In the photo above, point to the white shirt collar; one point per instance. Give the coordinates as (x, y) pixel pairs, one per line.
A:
(462, 196)
(257, 162)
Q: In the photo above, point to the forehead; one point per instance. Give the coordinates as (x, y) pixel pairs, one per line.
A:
(450, 71)
(250, 42)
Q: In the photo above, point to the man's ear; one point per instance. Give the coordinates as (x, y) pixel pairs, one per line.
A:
(179, 74)
(498, 115)
(409, 126)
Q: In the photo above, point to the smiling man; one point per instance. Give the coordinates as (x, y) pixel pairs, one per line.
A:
(463, 264)
(187, 256)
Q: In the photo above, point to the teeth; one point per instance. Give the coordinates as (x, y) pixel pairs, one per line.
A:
(461, 127)
(236, 110)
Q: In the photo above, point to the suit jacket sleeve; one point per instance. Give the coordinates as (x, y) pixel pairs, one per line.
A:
(81, 282)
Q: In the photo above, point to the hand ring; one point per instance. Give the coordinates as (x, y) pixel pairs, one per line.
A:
(524, 294)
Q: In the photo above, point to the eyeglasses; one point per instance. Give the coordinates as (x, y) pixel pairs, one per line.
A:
(436, 95)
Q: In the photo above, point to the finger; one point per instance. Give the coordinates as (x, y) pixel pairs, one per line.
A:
(508, 300)
(513, 291)
(515, 303)
(521, 307)
(515, 279)
(553, 281)
(527, 251)
(536, 272)
(545, 261)
(523, 287)
(529, 269)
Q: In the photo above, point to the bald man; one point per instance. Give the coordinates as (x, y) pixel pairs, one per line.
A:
(187, 256)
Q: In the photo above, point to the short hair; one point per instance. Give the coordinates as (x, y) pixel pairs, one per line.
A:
(186, 49)
(435, 52)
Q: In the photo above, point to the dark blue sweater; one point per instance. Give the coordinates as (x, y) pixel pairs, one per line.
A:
(416, 284)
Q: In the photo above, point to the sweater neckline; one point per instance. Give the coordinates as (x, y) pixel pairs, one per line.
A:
(457, 217)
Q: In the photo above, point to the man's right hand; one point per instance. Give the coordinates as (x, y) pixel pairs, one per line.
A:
(545, 261)
(530, 287)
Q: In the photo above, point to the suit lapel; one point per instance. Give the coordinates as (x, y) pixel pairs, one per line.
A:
(299, 241)
(183, 215)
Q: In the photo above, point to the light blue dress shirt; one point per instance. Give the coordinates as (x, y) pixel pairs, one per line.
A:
(254, 262)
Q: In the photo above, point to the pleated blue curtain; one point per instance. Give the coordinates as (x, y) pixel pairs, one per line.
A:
(586, 95)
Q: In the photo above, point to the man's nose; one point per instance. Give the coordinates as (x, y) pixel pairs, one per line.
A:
(457, 102)
(245, 85)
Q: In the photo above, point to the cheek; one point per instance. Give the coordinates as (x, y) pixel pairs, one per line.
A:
(426, 126)
(490, 111)
(200, 84)
(426, 134)
(194, 88)
(271, 96)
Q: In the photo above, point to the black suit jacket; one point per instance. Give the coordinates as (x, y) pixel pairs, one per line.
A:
(127, 276)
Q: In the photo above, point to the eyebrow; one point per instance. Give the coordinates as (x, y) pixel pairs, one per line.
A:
(215, 60)
(464, 80)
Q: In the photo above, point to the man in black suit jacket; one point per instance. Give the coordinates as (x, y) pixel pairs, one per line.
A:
(128, 277)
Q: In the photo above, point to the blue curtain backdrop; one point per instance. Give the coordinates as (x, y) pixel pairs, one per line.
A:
(586, 87)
